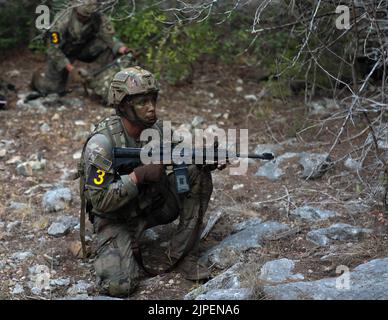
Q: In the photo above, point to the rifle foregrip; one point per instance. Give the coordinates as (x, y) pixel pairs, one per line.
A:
(267, 156)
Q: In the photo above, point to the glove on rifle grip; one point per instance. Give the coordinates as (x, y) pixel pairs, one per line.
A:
(149, 173)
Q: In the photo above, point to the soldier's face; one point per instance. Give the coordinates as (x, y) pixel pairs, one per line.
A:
(82, 18)
(145, 107)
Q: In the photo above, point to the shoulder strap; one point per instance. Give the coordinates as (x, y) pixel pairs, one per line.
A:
(111, 128)
(115, 130)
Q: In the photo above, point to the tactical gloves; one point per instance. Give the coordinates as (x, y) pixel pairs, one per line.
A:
(79, 75)
(149, 173)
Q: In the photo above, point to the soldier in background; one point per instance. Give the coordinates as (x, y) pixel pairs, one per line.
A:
(81, 33)
(96, 82)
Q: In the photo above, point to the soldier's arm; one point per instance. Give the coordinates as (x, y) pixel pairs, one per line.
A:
(54, 51)
(108, 35)
(106, 192)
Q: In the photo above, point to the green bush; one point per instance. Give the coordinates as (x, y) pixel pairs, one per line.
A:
(172, 50)
(168, 50)
(17, 23)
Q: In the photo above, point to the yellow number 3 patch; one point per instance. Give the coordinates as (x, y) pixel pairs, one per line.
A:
(100, 180)
(55, 37)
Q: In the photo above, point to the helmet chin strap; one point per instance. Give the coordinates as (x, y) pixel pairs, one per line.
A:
(134, 118)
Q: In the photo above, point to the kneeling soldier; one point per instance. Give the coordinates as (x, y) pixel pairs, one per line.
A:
(81, 32)
(121, 207)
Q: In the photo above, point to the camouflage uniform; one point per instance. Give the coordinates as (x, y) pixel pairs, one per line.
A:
(122, 210)
(99, 83)
(91, 41)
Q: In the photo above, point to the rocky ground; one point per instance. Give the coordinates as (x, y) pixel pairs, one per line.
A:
(285, 230)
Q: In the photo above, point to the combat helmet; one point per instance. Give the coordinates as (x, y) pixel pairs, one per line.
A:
(86, 8)
(130, 82)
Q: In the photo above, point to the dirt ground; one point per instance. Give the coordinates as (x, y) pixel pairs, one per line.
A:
(213, 96)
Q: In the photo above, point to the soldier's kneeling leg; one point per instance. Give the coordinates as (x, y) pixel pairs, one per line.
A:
(52, 80)
(96, 51)
(194, 205)
(116, 269)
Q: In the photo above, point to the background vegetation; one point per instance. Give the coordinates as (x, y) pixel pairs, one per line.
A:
(173, 39)
(169, 47)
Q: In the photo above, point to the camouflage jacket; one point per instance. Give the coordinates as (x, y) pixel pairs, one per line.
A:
(108, 193)
(73, 35)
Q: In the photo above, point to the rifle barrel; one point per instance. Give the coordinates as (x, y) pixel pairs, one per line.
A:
(264, 156)
(135, 152)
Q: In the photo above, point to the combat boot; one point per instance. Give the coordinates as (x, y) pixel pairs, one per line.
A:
(192, 269)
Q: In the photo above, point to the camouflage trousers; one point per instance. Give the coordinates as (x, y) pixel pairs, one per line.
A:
(116, 268)
(54, 80)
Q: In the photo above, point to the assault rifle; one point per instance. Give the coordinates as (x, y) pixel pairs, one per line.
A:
(125, 160)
